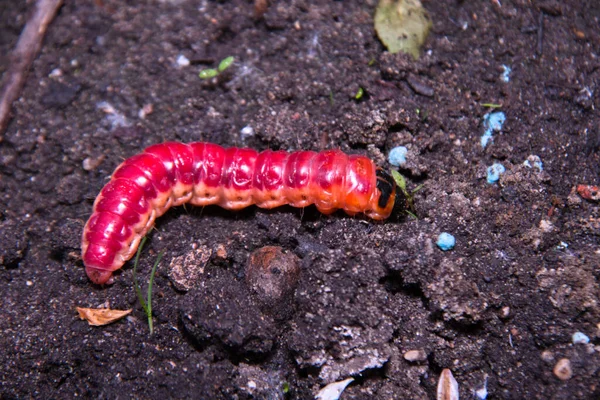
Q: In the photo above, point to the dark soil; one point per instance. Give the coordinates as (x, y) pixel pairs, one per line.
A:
(499, 309)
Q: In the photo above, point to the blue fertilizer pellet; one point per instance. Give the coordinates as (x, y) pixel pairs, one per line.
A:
(446, 241)
(397, 156)
(494, 172)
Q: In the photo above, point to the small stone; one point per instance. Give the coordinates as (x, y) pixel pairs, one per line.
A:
(415, 355)
(183, 61)
(547, 356)
(91, 163)
(580, 338)
(563, 370)
(272, 275)
(221, 252)
(185, 271)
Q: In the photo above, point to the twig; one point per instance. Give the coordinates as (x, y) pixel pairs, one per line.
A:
(540, 35)
(25, 51)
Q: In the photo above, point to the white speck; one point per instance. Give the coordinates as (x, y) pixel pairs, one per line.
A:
(55, 73)
(333, 390)
(580, 338)
(251, 385)
(183, 61)
(247, 132)
(506, 74)
(115, 118)
(562, 246)
(29, 283)
(146, 110)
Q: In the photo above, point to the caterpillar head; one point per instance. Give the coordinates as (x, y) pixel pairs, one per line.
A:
(393, 200)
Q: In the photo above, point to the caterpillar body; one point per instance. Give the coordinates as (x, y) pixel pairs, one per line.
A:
(146, 185)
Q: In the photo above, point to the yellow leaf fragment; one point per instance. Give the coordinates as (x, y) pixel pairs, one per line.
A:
(101, 316)
(402, 25)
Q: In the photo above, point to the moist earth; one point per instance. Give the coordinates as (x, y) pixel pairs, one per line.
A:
(346, 297)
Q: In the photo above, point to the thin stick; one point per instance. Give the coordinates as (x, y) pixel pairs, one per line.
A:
(540, 34)
(25, 51)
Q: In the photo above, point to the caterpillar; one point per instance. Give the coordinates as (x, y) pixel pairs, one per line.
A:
(146, 185)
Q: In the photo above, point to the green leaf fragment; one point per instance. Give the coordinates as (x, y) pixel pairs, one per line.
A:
(208, 73)
(359, 93)
(225, 63)
(399, 179)
(402, 25)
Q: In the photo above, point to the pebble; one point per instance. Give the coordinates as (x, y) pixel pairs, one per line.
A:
(415, 355)
(272, 275)
(446, 241)
(246, 132)
(183, 61)
(563, 370)
(580, 338)
(185, 271)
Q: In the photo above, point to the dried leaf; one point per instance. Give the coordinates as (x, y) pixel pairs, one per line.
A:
(402, 25)
(101, 316)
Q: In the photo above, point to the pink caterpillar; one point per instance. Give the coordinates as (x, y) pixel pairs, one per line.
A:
(146, 185)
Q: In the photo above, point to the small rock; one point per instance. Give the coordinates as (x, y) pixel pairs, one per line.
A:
(415, 355)
(563, 370)
(272, 276)
(91, 163)
(547, 356)
(185, 271)
(580, 338)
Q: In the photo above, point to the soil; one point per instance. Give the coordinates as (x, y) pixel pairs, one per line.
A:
(349, 297)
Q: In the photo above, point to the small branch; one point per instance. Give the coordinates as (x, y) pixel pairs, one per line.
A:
(25, 51)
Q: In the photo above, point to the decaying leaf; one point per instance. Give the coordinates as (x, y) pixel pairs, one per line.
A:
(101, 316)
(402, 25)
